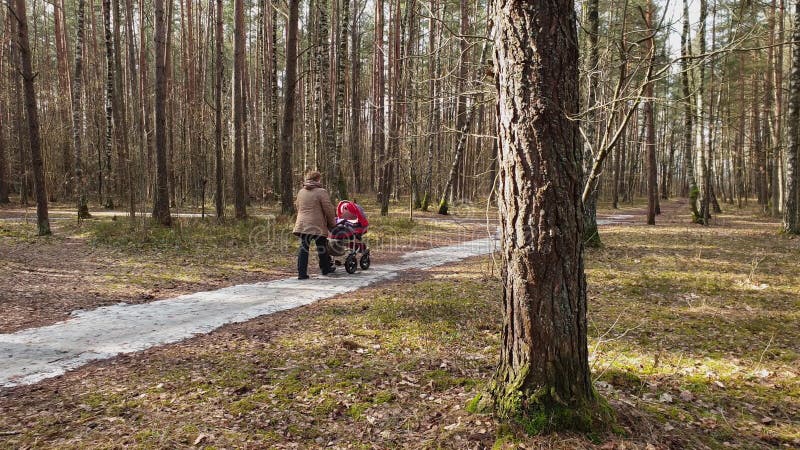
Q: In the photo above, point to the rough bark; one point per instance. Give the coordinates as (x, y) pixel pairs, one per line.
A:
(543, 378)
(32, 115)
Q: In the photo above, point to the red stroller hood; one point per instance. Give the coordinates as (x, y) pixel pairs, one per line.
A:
(353, 212)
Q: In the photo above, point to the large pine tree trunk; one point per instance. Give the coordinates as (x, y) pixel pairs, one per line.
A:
(32, 112)
(287, 132)
(791, 221)
(544, 369)
(161, 203)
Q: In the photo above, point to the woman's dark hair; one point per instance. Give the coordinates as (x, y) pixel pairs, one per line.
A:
(313, 176)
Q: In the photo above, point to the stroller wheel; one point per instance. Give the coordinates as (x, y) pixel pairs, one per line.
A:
(365, 261)
(350, 264)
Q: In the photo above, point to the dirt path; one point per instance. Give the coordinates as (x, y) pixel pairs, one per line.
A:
(38, 353)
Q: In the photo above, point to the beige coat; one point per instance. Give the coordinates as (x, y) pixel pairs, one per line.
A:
(315, 212)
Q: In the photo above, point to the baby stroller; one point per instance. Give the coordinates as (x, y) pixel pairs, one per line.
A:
(346, 238)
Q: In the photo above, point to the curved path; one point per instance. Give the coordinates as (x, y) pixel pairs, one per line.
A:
(31, 355)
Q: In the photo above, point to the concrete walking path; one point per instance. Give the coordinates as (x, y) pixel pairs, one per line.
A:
(35, 354)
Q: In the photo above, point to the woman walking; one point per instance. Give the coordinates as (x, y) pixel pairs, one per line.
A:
(315, 216)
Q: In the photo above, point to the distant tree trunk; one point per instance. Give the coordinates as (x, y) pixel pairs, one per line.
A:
(461, 145)
(649, 119)
(591, 236)
(339, 180)
(355, 102)
(77, 114)
(287, 132)
(791, 221)
(121, 116)
(702, 163)
(667, 178)
(738, 159)
(772, 98)
(4, 173)
(618, 165)
(239, 200)
(18, 129)
(59, 25)
(543, 374)
(433, 89)
(452, 189)
(109, 99)
(395, 105)
(146, 117)
(273, 113)
(327, 130)
(161, 204)
(779, 108)
(220, 73)
(31, 108)
(3, 160)
(758, 148)
(688, 114)
(378, 90)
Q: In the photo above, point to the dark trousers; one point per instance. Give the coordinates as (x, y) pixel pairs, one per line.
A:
(325, 261)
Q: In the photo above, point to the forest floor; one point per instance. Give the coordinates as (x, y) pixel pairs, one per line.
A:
(110, 259)
(693, 340)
